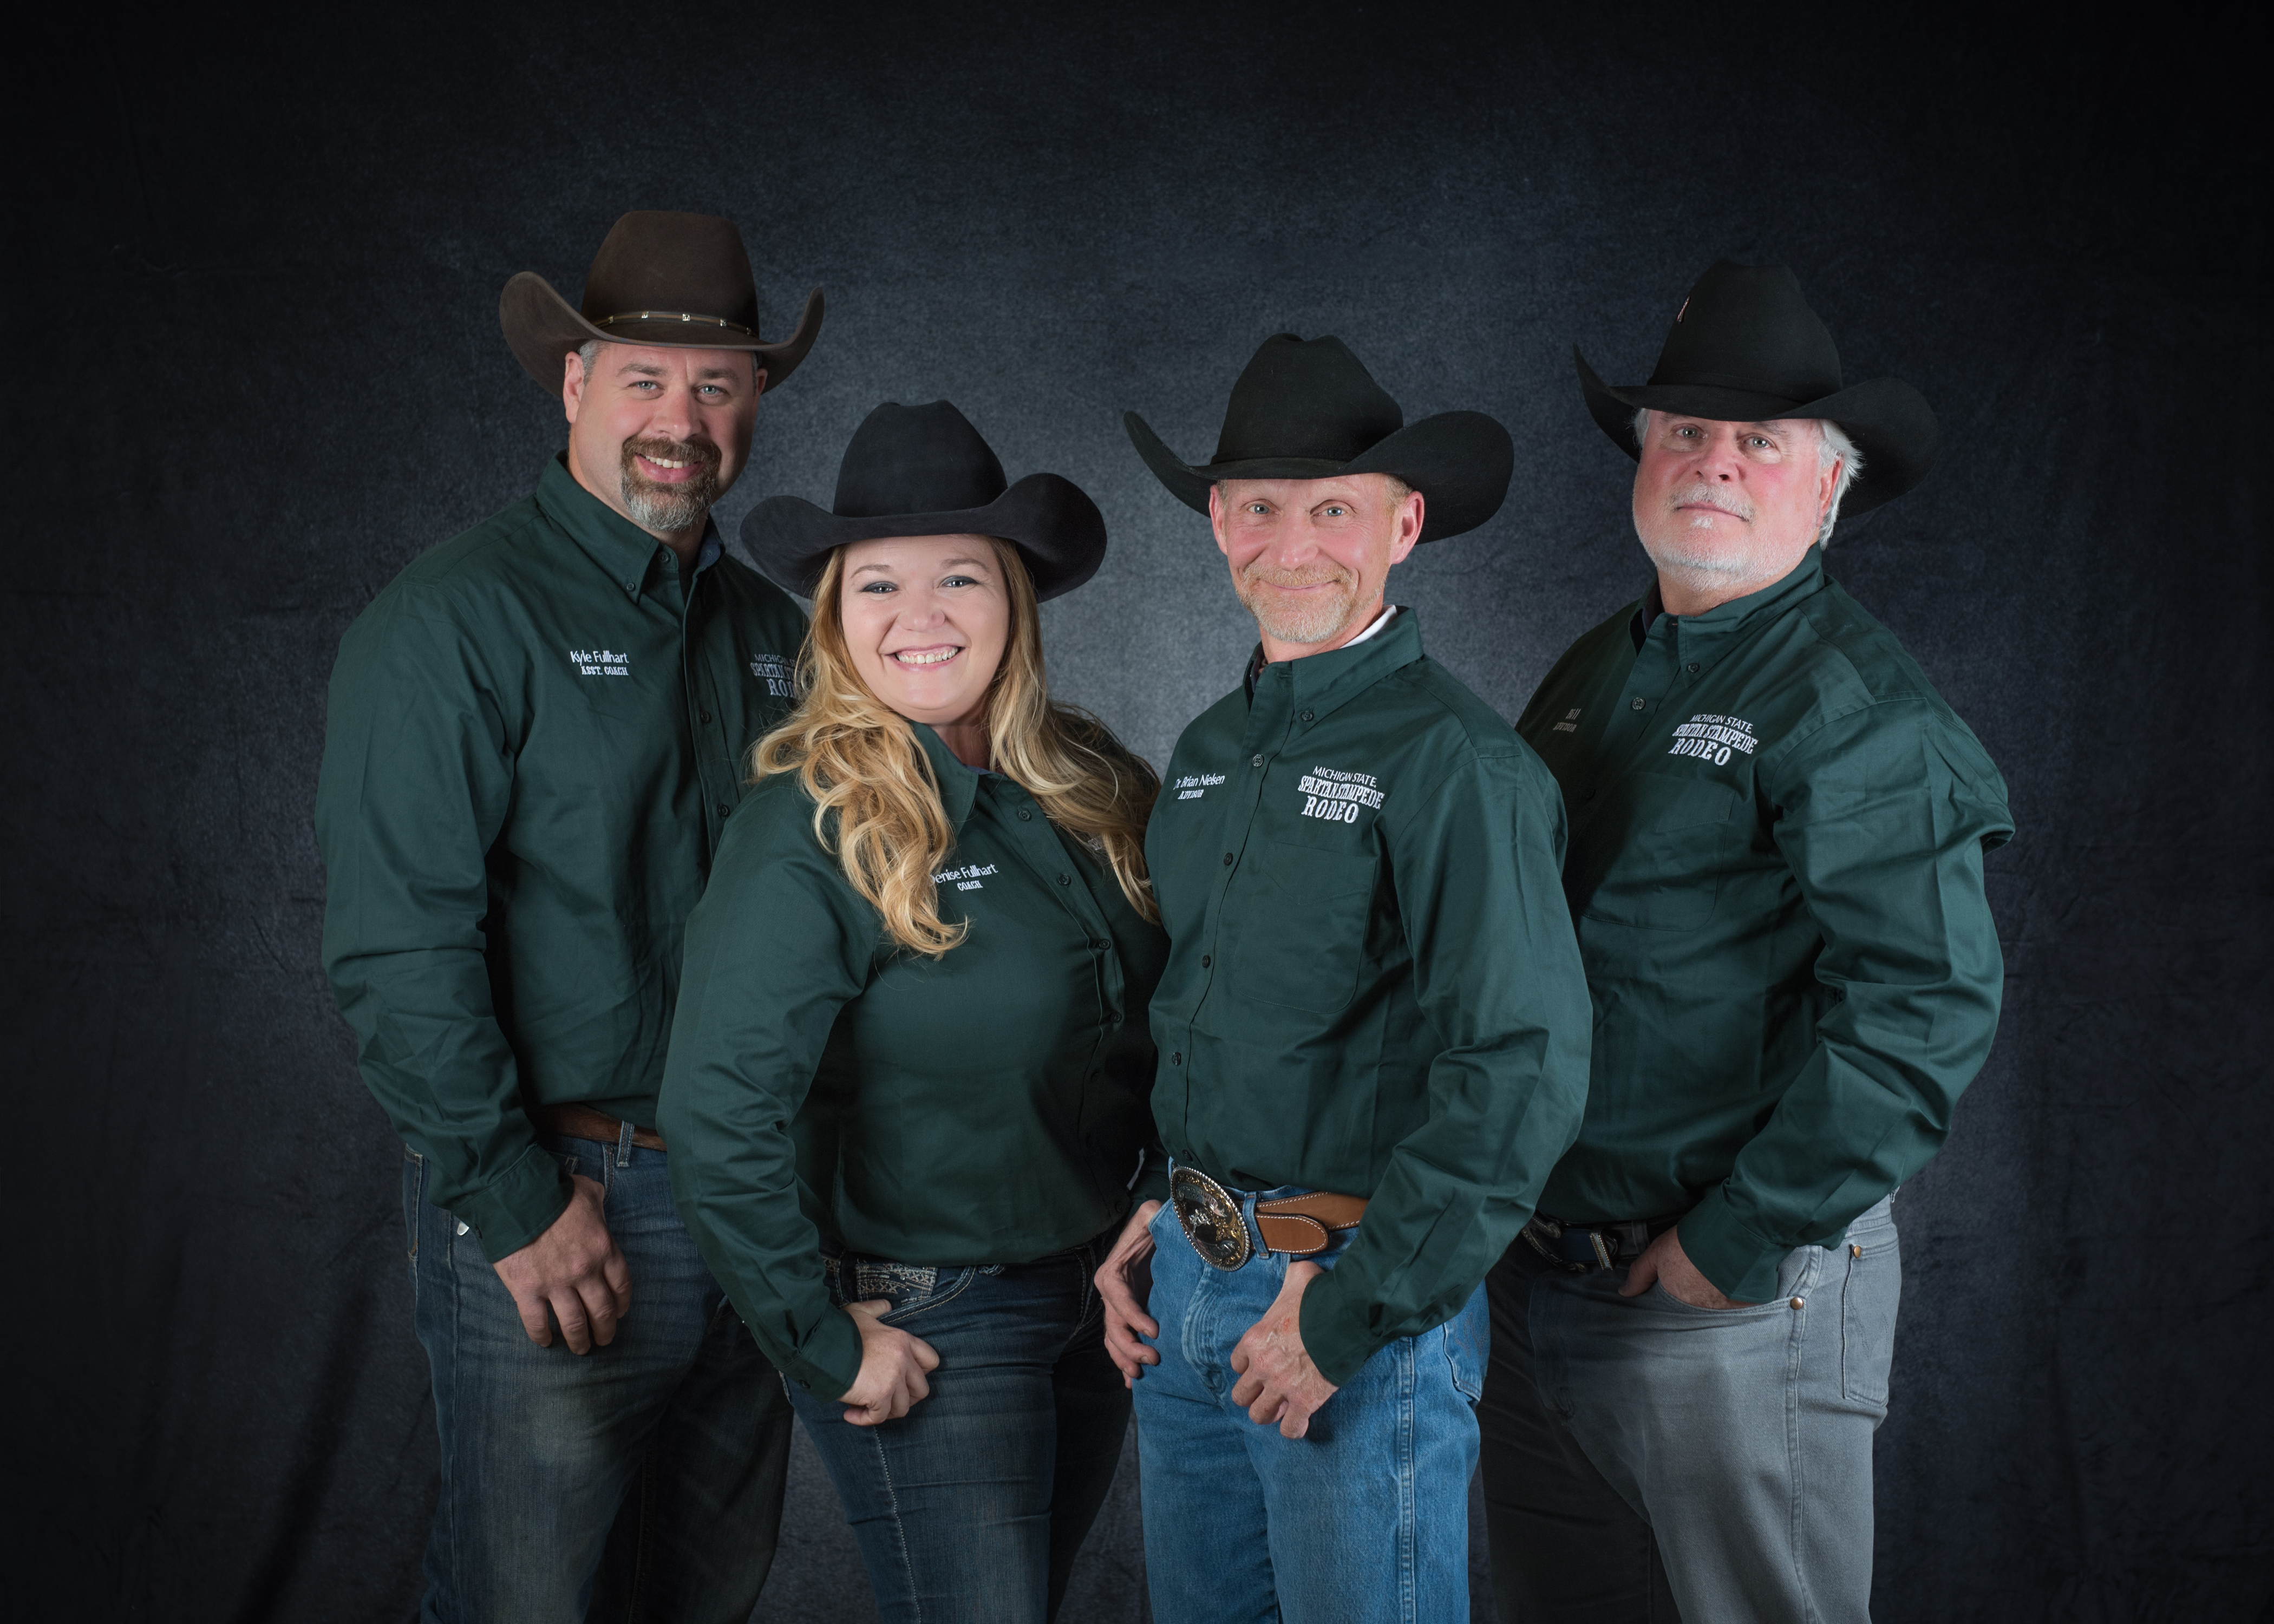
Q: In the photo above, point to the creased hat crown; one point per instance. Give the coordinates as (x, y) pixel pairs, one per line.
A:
(1313, 400)
(915, 459)
(1746, 326)
(656, 259)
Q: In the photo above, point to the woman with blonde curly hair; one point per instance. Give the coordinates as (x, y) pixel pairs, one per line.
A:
(907, 1098)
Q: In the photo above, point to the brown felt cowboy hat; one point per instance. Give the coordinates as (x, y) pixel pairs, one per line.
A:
(660, 278)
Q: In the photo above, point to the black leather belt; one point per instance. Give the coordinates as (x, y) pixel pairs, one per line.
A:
(1592, 1248)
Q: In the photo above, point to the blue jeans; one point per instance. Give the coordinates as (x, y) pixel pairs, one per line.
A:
(1364, 1519)
(1646, 1461)
(662, 1452)
(972, 1506)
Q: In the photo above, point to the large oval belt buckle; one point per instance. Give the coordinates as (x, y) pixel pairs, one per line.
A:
(1211, 1218)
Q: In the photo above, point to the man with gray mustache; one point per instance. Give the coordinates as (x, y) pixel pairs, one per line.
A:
(1775, 870)
(534, 740)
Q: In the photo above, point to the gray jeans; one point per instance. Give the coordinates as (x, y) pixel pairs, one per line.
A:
(1645, 1461)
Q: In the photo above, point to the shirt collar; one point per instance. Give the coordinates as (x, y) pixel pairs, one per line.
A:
(611, 540)
(1805, 577)
(1321, 683)
(958, 783)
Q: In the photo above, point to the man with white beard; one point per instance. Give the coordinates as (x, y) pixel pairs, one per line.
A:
(535, 737)
(1372, 1031)
(1775, 870)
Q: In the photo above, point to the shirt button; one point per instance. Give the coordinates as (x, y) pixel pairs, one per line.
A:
(1587, 795)
(705, 715)
(1307, 717)
(724, 809)
(1227, 859)
(1066, 879)
(1691, 668)
(1207, 959)
(1026, 817)
(1637, 703)
(1255, 761)
(1177, 1060)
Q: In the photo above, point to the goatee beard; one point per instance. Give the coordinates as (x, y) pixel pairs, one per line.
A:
(1694, 548)
(1312, 618)
(669, 507)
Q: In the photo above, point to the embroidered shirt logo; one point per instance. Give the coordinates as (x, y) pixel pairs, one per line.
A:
(1713, 737)
(1570, 724)
(775, 673)
(968, 877)
(1338, 797)
(1192, 786)
(600, 663)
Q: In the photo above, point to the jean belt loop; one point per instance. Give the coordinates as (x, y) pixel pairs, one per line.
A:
(624, 1143)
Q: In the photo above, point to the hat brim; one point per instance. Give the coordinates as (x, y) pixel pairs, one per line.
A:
(1461, 461)
(1058, 531)
(1890, 422)
(541, 326)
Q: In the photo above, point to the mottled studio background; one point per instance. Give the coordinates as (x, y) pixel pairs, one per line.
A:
(254, 367)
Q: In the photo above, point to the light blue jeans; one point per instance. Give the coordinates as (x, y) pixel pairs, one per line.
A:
(663, 1453)
(1364, 1520)
(1645, 1461)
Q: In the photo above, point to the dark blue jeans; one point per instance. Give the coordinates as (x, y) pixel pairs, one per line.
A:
(971, 1506)
(642, 1479)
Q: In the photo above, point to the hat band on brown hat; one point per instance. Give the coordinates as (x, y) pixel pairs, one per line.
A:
(669, 315)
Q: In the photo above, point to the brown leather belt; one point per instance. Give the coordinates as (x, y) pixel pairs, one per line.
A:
(582, 1121)
(1294, 1225)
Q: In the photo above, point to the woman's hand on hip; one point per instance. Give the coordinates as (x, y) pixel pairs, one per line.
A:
(893, 1365)
(1125, 1280)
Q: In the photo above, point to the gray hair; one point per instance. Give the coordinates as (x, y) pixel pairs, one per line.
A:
(1832, 444)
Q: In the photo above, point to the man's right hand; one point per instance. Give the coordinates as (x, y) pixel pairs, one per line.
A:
(572, 1272)
(892, 1366)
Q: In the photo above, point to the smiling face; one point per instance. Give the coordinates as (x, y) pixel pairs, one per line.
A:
(1309, 557)
(658, 435)
(926, 619)
(1726, 508)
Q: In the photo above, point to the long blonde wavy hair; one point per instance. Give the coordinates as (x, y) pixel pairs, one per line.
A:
(876, 799)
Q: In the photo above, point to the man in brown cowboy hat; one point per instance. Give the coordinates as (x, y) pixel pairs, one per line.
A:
(534, 740)
(1775, 869)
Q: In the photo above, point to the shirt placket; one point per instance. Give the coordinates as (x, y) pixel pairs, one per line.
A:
(705, 647)
(1039, 846)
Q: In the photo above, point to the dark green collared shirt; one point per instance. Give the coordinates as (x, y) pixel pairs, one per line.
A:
(986, 1106)
(1777, 831)
(534, 739)
(1372, 985)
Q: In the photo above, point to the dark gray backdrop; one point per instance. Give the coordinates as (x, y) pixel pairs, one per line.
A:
(251, 296)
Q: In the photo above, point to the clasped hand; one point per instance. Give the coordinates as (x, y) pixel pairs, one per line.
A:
(1277, 1382)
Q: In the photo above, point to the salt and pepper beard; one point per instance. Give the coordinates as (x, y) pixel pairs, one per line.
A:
(1312, 618)
(669, 507)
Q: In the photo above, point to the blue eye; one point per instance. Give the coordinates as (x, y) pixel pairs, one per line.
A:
(880, 586)
(959, 581)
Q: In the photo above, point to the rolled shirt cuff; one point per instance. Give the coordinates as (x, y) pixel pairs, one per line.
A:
(1152, 1181)
(1740, 1261)
(1335, 1331)
(517, 1206)
(828, 1362)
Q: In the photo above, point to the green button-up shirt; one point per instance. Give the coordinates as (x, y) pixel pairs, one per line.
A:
(534, 739)
(1777, 831)
(987, 1106)
(1372, 986)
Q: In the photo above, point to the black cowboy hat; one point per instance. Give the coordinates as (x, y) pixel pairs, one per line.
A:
(1745, 348)
(923, 470)
(1311, 410)
(677, 280)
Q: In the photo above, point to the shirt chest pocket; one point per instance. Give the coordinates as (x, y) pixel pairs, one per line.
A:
(1305, 938)
(1669, 876)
